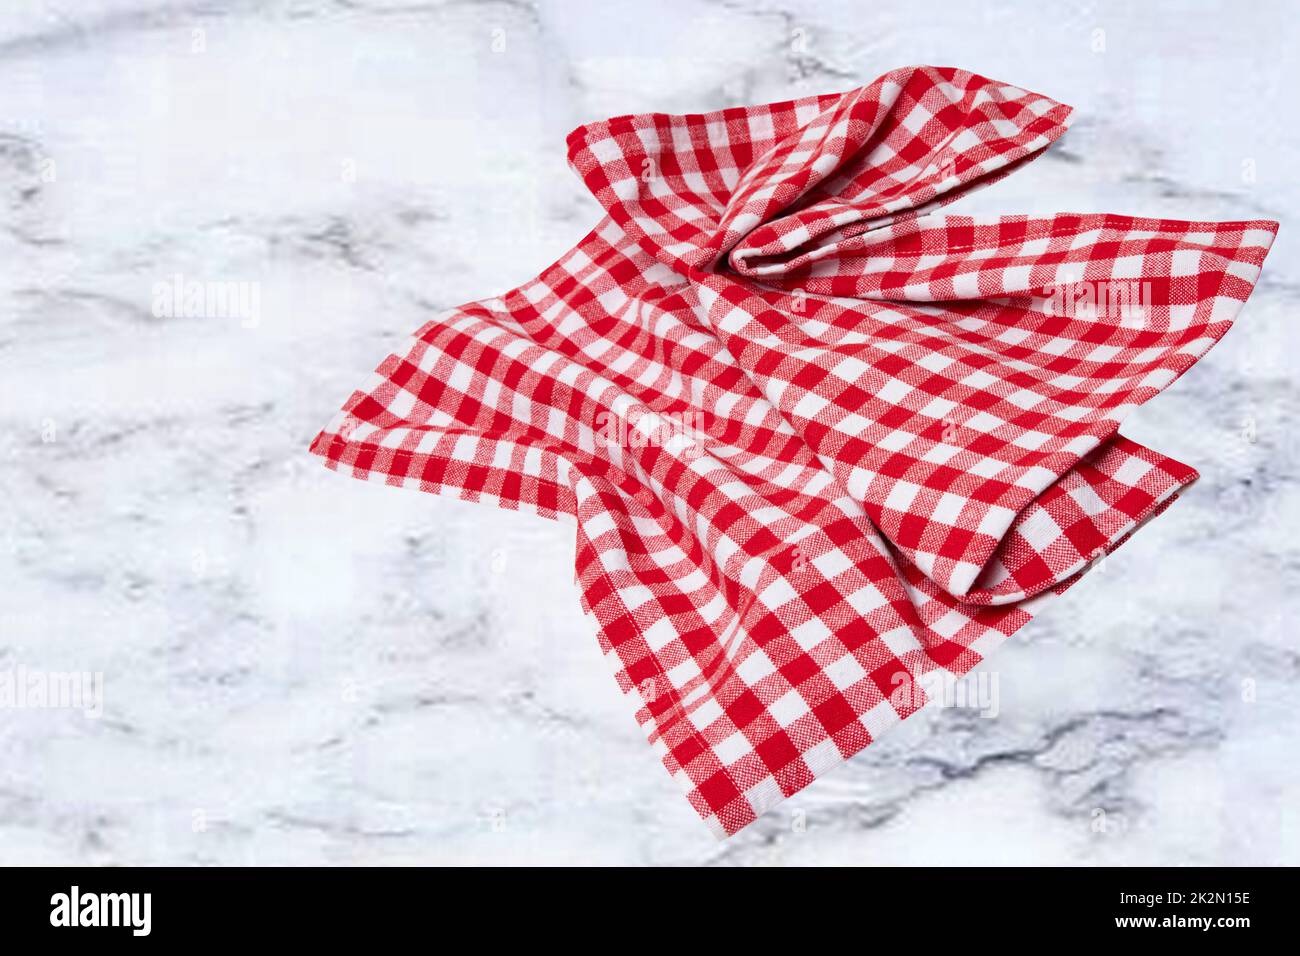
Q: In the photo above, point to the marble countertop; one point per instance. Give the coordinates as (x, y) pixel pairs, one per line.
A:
(304, 669)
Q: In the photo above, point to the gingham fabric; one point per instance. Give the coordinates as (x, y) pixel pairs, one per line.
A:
(822, 444)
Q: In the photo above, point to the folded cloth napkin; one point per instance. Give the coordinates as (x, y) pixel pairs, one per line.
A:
(823, 446)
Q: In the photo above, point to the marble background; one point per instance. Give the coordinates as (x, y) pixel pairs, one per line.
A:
(304, 669)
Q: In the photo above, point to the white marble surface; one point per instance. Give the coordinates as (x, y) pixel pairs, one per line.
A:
(300, 668)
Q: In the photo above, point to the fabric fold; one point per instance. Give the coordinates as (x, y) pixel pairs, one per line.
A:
(821, 443)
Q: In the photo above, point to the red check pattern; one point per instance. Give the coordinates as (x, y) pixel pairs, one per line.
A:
(909, 419)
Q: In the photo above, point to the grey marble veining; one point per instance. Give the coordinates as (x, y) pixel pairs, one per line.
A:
(304, 669)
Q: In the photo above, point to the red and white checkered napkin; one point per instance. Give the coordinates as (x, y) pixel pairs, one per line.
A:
(822, 444)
